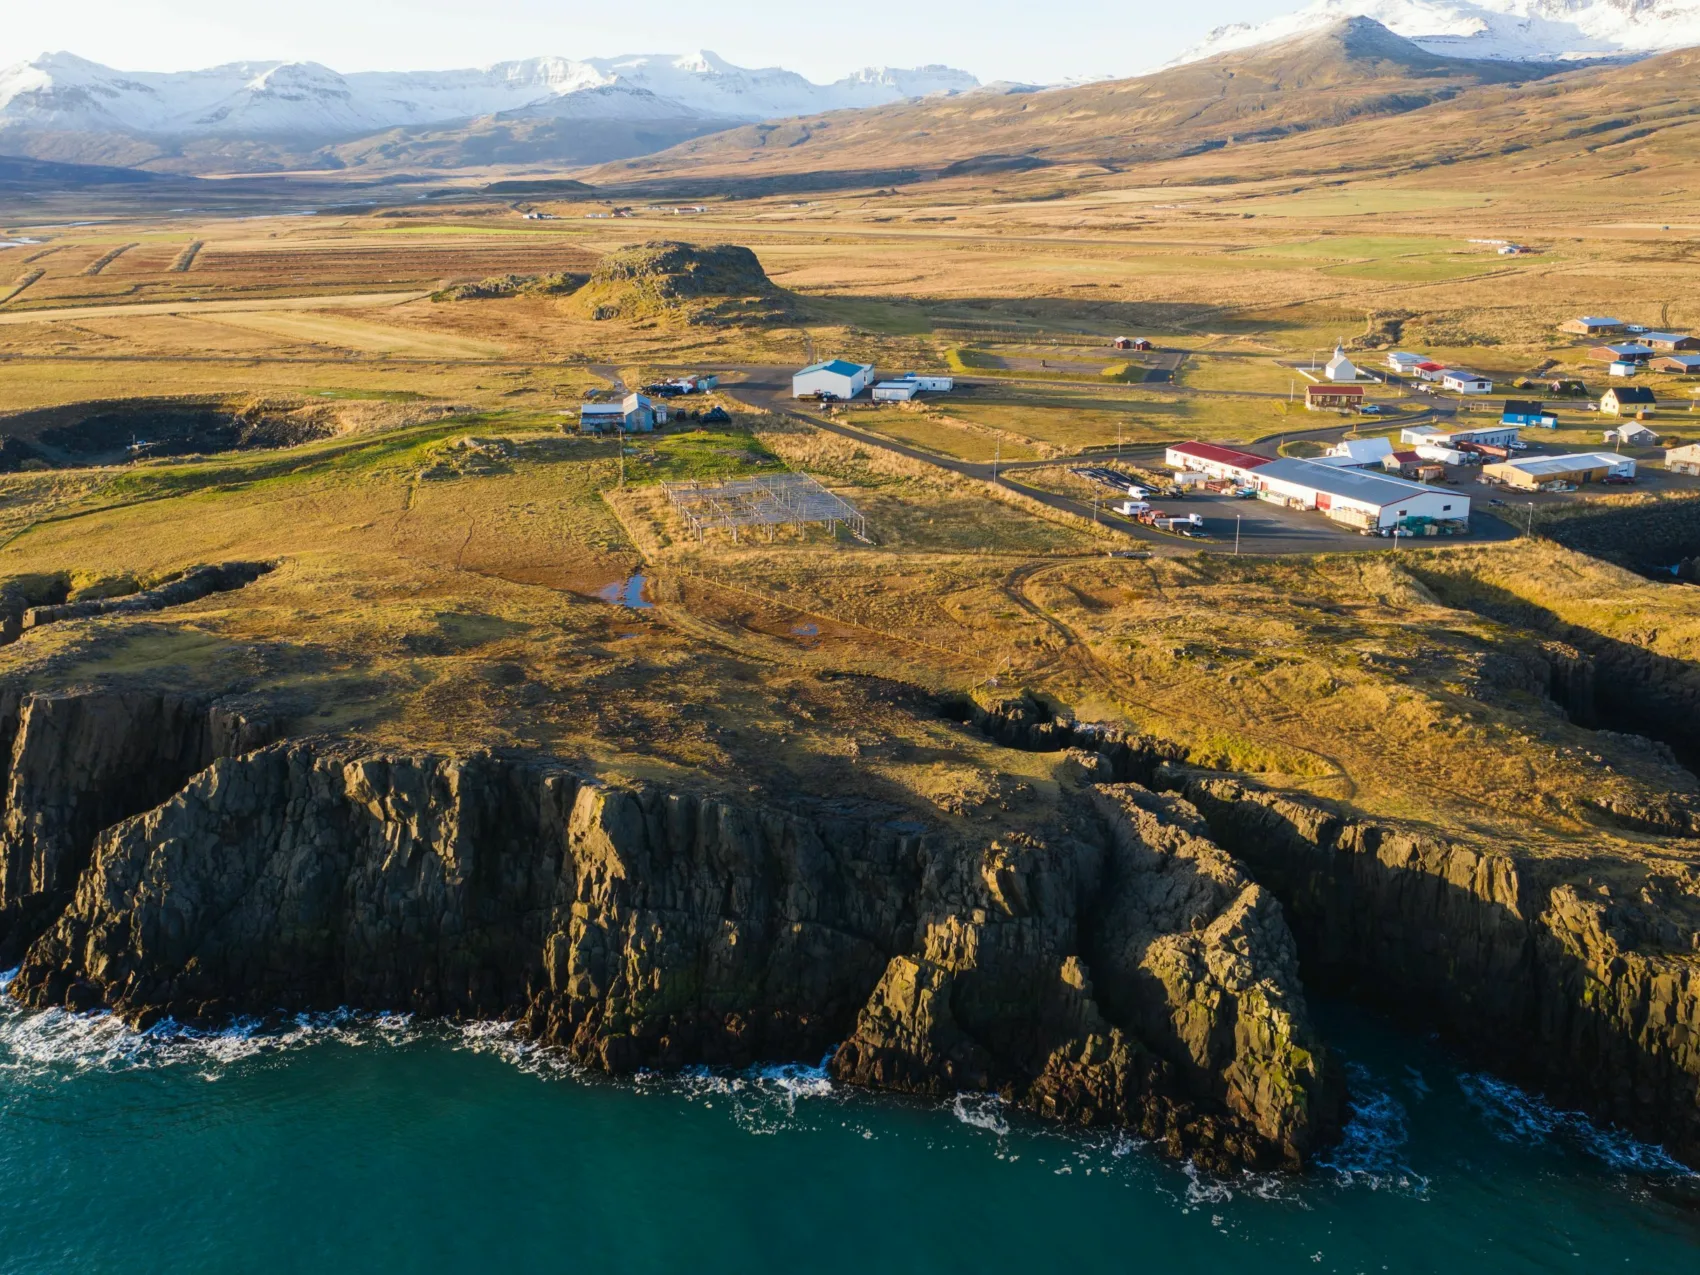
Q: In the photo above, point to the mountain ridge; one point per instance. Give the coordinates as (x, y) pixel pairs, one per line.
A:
(1354, 68)
(61, 92)
(1513, 30)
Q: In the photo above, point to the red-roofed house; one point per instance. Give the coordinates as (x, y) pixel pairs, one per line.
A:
(1212, 459)
(1431, 371)
(1320, 396)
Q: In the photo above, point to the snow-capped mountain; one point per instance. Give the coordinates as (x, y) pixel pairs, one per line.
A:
(64, 93)
(1524, 30)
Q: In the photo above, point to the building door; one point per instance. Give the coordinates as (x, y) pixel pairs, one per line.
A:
(1324, 501)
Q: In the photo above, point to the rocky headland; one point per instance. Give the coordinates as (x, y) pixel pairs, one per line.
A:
(1135, 963)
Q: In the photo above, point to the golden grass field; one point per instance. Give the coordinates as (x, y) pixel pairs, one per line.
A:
(423, 603)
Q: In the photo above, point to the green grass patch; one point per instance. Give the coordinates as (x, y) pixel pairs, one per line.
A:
(699, 454)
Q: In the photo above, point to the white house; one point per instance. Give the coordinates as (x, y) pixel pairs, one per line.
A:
(929, 383)
(1463, 382)
(895, 391)
(1356, 497)
(837, 377)
(1429, 370)
(1405, 364)
(1341, 370)
(1358, 452)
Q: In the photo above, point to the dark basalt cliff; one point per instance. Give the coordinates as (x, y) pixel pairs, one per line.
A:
(1120, 970)
(1127, 963)
(1581, 977)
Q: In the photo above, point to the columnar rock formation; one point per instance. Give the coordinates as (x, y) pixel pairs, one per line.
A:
(1126, 963)
(1114, 969)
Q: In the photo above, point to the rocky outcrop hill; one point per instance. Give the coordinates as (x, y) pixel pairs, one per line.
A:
(720, 284)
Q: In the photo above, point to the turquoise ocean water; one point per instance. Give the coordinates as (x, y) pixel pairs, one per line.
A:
(374, 1143)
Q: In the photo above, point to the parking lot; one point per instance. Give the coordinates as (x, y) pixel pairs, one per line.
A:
(1269, 528)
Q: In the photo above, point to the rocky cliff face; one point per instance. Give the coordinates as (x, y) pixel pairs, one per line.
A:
(1125, 964)
(1586, 987)
(1160, 984)
(79, 763)
(1118, 969)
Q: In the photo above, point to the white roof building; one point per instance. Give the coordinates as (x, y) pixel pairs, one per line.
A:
(1341, 370)
(1498, 434)
(1356, 497)
(1465, 382)
(895, 391)
(1358, 451)
(1633, 433)
(1403, 361)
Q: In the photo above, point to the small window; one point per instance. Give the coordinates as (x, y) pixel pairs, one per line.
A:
(1446, 509)
(1402, 513)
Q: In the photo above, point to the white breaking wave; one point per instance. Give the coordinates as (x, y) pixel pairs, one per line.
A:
(1530, 1120)
(981, 1111)
(54, 1043)
(1371, 1149)
(1518, 30)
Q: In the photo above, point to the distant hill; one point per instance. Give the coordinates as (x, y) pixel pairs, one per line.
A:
(1352, 69)
(1625, 122)
(21, 173)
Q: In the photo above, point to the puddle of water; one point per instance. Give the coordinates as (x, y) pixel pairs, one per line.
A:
(806, 630)
(626, 593)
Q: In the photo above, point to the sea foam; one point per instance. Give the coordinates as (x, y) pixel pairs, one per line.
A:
(1371, 1149)
(1513, 1115)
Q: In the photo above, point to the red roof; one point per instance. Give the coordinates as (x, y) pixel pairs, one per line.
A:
(1431, 367)
(1332, 391)
(1220, 455)
(1406, 458)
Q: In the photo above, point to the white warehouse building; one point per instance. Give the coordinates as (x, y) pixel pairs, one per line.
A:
(1356, 497)
(1498, 434)
(838, 377)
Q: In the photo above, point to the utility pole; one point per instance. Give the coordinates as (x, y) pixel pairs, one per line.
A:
(1236, 535)
(1118, 442)
(620, 442)
(1531, 530)
(997, 455)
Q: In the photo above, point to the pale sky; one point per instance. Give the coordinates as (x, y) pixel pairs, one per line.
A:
(993, 39)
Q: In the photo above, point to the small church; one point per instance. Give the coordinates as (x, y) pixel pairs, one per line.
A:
(1341, 370)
